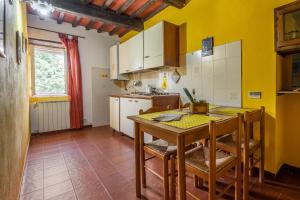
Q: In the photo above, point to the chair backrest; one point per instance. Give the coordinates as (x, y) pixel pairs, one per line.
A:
(187, 105)
(224, 127)
(250, 117)
(154, 109)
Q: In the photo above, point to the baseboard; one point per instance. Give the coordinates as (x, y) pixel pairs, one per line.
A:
(24, 166)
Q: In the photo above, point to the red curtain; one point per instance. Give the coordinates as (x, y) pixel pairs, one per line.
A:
(74, 80)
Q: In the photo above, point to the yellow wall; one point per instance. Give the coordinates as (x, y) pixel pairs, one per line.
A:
(14, 106)
(251, 21)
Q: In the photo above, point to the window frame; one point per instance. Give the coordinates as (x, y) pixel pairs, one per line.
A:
(54, 50)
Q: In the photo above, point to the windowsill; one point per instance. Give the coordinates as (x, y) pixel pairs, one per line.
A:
(48, 98)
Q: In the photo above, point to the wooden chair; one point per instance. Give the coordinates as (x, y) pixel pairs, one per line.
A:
(163, 150)
(228, 142)
(210, 164)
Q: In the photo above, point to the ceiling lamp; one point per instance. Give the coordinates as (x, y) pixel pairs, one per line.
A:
(43, 7)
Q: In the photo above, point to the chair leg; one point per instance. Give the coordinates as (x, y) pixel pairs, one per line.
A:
(238, 181)
(166, 178)
(173, 179)
(262, 166)
(196, 181)
(143, 171)
(246, 178)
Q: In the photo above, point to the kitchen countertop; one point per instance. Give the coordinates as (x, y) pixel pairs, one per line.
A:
(137, 96)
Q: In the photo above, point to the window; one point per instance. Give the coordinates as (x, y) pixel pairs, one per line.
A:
(49, 73)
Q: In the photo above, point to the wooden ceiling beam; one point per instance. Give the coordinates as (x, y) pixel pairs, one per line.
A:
(107, 3)
(143, 8)
(76, 21)
(163, 6)
(176, 3)
(124, 7)
(96, 13)
(60, 18)
(114, 31)
(101, 29)
(90, 25)
(124, 33)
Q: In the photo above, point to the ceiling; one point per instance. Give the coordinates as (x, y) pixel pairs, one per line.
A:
(117, 17)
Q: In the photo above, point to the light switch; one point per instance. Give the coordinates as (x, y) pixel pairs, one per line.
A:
(255, 94)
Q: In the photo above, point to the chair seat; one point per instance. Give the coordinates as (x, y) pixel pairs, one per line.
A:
(229, 140)
(199, 158)
(162, 147)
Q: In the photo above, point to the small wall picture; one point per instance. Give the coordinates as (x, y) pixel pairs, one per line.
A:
(207, 46)
(23, 43)
(26, 45)
(2, 28)
(18, 47)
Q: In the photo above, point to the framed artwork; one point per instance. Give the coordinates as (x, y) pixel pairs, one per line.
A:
(2, 28)
(26, 43)
(207, 46)
(23, 43)
(18, 47)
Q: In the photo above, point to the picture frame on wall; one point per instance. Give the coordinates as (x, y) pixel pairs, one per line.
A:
(23, 43)
(207, 46)
(18, 48)
(2, 28)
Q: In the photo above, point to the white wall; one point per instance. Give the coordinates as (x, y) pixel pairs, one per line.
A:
(94, 52)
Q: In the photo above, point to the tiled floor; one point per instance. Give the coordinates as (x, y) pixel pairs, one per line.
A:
(94, 164)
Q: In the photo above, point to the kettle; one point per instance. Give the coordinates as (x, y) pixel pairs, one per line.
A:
(149, 89)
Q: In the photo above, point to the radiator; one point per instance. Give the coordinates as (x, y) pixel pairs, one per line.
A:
(49, 116)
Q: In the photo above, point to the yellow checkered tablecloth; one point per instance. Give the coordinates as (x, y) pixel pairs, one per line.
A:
(186, 122)
(228, 110)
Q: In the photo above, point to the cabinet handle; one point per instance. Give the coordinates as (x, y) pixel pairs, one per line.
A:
(147, 56)
(140, 67)
(130, 100)
(136, 101)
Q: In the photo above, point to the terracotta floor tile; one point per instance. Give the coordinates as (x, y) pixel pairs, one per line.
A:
(36, 195)
(56, 178)
(94, 164)
(58, 189)
(92, 191)
(65, 196)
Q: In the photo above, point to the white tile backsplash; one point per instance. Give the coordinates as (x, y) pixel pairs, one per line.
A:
(216, 78)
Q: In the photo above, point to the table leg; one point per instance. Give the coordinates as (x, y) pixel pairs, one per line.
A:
(181, 167)
(137, 159)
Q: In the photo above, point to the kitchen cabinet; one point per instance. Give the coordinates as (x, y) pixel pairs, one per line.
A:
(128, 107)
(114, 64)
(114, 117)
(161, 46)
(287, 27)
(131, 54)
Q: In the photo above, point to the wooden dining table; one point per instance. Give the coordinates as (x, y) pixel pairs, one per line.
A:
(174, 135)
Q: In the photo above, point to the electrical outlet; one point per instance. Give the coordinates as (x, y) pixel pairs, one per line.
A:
(255, 94)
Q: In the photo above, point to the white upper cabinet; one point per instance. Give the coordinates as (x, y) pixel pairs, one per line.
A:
(132, 55)
(161, 45)
(114, 64)
(124, 57)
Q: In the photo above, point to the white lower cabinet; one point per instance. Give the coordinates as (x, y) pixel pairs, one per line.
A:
(128, 107)
(114, 117)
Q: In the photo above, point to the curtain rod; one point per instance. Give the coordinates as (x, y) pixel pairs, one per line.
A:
(43, 40)
(42, 29)
(41, 45)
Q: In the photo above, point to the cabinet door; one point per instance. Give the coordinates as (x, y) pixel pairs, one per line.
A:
(124, 57)
(144, 105)
(129, 107)
(113, 62)
(114, 113)
(154, 46)
(126, 109)
(136, 54)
